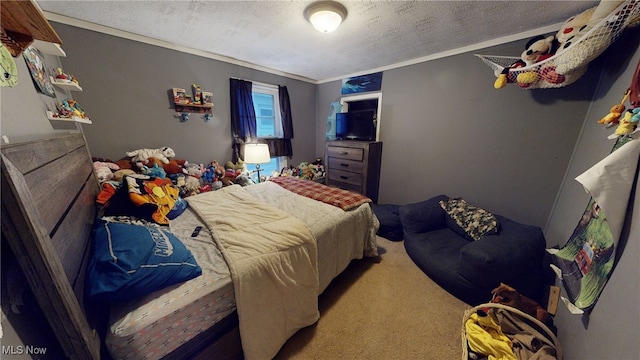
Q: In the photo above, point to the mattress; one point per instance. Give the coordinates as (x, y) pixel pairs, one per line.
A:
(154, 326)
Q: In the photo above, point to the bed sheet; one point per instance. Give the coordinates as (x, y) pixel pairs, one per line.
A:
(152, 327)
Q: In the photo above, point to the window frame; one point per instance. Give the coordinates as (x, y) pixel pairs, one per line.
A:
(262, 88)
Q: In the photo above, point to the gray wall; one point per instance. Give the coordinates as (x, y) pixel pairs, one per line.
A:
(23, 109)
(446, 130)
(611, 330)
(126, 87)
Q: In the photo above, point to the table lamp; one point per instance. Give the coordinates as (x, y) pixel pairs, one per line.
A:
(257, 154)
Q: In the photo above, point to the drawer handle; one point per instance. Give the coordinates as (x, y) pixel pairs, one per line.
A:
(344, 165)
(343, 177)
(344, 153)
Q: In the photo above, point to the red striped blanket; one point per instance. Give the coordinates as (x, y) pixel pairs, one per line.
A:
(344, 199)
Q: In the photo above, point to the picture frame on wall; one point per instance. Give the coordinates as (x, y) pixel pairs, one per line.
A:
(362, 83)
(37, 68)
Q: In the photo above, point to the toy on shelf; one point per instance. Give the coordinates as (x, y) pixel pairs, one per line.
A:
(65, 81)
(580, 40)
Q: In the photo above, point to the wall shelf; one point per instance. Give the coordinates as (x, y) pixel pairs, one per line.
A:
(49, 48)
(50, 116)
(194, 108)
(65, 85)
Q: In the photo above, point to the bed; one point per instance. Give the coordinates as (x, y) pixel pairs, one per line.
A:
(263, 239)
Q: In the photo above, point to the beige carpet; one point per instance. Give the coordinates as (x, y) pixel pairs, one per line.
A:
(387, 309)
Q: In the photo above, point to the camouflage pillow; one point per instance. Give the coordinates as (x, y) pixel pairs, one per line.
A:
(475, 222)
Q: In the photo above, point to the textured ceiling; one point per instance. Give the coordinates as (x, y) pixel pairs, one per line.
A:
(275, 35)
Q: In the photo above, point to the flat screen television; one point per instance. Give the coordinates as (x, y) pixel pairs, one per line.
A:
(356, 125)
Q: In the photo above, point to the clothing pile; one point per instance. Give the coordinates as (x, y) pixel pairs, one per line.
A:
(510, 327)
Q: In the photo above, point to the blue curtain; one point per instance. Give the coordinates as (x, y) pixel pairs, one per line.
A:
(243, 120)
(243, 116)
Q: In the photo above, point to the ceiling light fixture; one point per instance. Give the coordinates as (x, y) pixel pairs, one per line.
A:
(325, 16)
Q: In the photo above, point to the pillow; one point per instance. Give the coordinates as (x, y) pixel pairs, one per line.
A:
(130, 261)
(474, 221)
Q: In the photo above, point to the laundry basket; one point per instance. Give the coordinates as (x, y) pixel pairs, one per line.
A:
(529, 319)
(569, 64)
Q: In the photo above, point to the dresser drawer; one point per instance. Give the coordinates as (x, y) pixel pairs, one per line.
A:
(346, 186)
(345, 153)
(346, 165)
(345, 177)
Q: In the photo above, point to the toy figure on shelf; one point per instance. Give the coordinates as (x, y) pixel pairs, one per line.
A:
(60, 75)
(69, 108)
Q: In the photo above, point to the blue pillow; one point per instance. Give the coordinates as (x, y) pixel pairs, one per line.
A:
(130, 261)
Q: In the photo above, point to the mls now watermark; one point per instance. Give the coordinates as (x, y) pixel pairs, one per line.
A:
(23, 350)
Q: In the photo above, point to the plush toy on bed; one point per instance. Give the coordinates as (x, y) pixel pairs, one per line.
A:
(218, 169)
(104, 170)
(140, 156)
(154, 171)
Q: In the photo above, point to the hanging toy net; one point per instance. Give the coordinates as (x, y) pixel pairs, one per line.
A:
(570, 62)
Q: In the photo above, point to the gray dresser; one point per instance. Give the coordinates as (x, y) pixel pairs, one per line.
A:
(354, 165)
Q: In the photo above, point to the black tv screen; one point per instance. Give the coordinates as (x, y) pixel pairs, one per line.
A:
(356, 125)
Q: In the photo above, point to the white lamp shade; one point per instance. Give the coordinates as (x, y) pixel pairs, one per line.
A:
(325, 21)
(325, 16)
(256, 153)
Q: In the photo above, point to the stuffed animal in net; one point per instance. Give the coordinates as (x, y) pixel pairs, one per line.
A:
(536, 49)
(585, 36)
(140, 156)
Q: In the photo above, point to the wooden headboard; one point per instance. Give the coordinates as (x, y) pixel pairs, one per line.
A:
(48, 207)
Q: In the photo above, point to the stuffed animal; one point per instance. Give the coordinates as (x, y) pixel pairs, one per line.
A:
(208, 174)
(613, 116)
(243, 180)
(140, 156)
(194, 170)
(104, 170)
(218, 169)
(120, 174)
(237, 166)
(174, 166)
(635, 118)
(579, 50)
(625, 126)
(536, 49)
(154, 171)
(571, 27)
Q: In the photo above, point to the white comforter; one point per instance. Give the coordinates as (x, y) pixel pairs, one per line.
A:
(341, 235)
(273, 263)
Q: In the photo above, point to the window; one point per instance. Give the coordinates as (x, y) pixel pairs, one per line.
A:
(266, 104)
